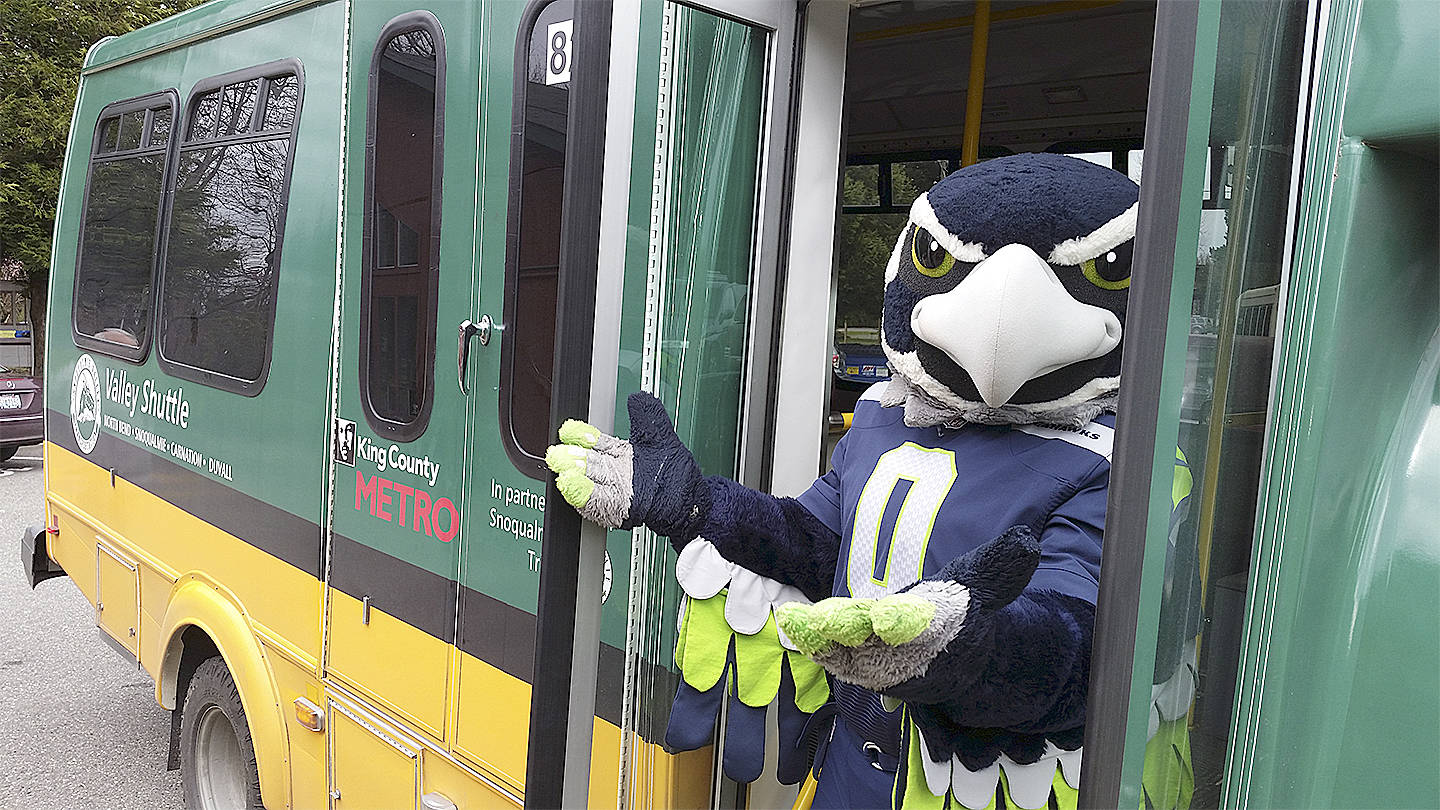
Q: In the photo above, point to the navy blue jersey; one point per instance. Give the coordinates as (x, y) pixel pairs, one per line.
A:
(906, 501)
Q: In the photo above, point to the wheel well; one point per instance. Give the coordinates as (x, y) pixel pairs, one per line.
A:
(196, 648)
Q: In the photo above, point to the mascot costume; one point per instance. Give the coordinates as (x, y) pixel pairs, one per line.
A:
(944, 572)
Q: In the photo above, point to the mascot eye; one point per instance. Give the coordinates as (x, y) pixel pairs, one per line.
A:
(1110, 271)
(930, 259)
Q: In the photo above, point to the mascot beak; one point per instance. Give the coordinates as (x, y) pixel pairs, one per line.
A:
(1010, 321)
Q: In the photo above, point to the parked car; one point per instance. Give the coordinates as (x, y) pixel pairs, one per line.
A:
(856, 367)
(22, 414)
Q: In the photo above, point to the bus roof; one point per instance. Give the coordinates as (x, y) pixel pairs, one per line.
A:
(201, 22)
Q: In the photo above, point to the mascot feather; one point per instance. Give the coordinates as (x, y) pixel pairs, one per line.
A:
(944, 572)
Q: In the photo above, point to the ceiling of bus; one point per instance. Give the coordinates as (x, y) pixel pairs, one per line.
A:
(1074, 75)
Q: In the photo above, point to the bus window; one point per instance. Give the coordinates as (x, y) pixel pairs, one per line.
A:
(532, 262)
(400, 260)
(1224, 404)
(227, 219)
(121, 223)
(908, 179)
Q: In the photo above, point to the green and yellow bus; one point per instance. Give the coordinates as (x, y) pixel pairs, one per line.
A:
(326, 274)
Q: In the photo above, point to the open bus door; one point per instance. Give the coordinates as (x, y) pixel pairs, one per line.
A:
(670, 235)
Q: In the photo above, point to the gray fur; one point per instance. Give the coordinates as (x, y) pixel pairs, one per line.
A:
(876, 665)
(611, 466)
(923, 411)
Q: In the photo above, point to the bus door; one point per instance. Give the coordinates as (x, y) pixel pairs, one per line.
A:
(710, 193)
(399, 428)
(686, 191)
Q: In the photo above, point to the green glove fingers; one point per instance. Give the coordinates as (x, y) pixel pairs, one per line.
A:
(812, 690)
(568, 464)
(844, 620)
(593, 472)
(901, 617)
(757, 665)
(816, 629)
(798, 621)
(579, 434)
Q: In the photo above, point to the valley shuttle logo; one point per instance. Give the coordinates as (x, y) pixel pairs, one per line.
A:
(85, 403)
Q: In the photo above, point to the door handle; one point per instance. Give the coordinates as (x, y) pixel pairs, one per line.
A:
(467, 331)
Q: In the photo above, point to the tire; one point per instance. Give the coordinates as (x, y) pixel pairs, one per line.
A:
(217, 756)
(8, 452)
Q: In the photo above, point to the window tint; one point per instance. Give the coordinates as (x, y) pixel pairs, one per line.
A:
(402, 225)
(120, 226)
(227, 218)
(533, 260)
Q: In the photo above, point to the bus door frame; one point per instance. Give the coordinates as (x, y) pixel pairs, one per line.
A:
(1147, 427)
(593, 258)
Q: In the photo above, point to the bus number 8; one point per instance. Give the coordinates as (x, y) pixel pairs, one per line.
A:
(557, 63)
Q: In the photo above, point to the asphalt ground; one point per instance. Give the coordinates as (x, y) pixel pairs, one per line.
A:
(79, 725)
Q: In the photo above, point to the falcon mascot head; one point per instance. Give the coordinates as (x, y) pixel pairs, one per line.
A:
(1005, 295)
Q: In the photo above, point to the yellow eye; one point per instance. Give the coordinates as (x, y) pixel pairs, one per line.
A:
(1110, 271)
(930, 259)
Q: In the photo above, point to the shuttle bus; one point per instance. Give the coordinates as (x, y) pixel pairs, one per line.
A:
(328, 273)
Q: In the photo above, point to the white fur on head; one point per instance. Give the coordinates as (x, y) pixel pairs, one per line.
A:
(1112, 234)
(923, 215)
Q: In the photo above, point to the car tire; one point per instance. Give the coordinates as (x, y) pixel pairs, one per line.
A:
(217, 755)
(7, 453)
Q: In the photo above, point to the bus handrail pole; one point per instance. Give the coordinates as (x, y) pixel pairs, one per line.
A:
(975, 93)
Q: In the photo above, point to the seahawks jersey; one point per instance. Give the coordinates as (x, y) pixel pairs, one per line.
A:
(907, 500)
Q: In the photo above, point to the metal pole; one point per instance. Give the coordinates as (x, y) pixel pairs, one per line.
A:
(975, 93)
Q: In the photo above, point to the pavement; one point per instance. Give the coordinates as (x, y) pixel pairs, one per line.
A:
(79, 725)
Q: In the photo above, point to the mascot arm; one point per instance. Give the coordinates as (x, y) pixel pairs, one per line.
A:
(652, 480)
(1024, 668)
(774, 537)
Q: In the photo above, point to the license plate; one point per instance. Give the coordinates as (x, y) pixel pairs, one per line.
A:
(10, 401)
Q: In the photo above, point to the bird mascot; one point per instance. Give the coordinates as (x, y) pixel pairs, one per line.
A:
(944, 571)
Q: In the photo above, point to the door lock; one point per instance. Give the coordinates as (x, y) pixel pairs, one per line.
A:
(469, 329)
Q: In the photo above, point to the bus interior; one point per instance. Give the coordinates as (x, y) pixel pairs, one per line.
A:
(1069, 78)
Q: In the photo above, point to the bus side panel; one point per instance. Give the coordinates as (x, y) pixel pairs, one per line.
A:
(188, 480)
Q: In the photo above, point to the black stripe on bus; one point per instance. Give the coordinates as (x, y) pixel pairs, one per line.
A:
(422, 599)
(287, 537)
(503, 636)
(499, 634)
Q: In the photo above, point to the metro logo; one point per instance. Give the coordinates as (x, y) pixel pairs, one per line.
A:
(379, 494)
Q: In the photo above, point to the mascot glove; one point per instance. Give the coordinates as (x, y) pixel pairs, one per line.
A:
(926, 783)
(729, 648)
(649, 480)
(891, 642)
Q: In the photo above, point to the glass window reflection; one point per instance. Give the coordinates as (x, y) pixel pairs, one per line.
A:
(222, 255)
(534, 269)
(1238, 259)
(119, 229)
(400, 266)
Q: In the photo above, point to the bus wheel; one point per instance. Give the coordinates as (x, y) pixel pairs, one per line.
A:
(217, 756)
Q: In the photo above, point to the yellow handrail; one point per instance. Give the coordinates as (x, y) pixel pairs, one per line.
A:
(974, 94)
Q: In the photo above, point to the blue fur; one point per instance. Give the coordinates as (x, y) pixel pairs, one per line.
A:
(774, 537)
(1019, 677)
(899, 301)
(1038, 200)
(669, 494)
